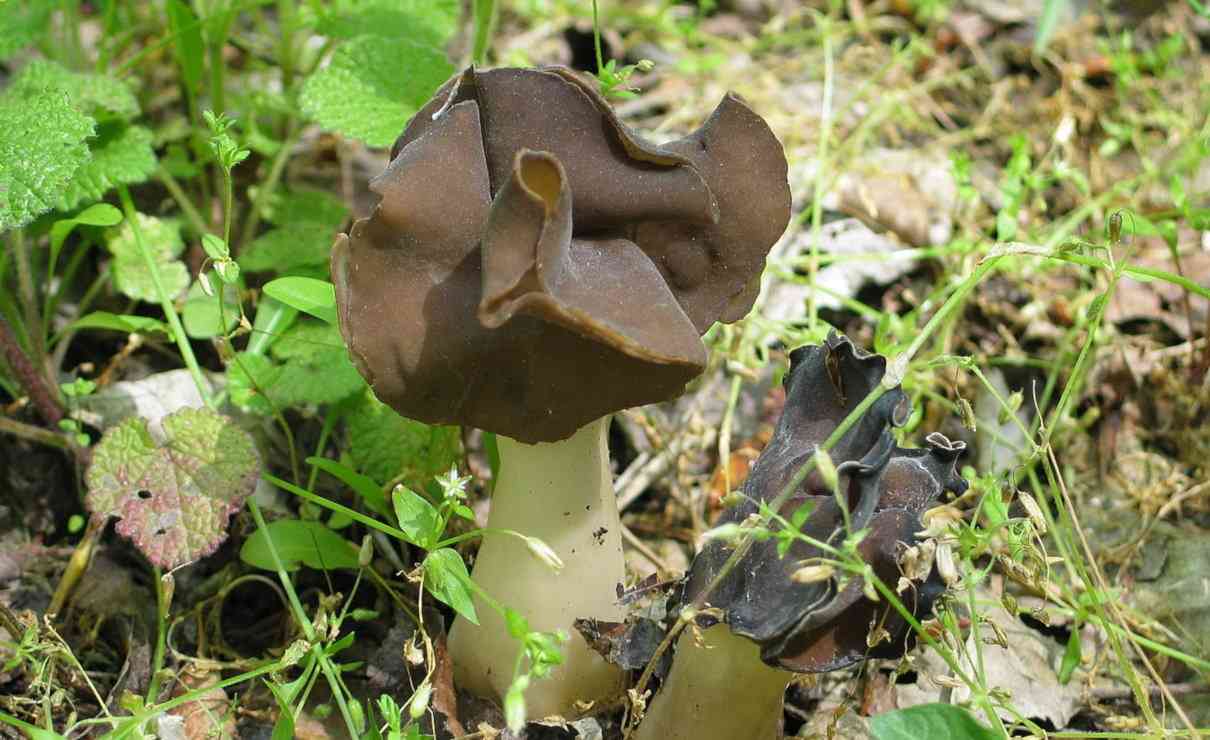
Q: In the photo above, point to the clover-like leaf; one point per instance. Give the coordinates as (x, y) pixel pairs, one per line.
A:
(373, 86)
(131, 275)
(175, 496)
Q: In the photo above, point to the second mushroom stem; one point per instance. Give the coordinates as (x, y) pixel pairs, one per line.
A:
(561, 493)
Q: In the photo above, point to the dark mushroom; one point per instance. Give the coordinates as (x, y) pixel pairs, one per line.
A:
(728, 680)
(532, 267)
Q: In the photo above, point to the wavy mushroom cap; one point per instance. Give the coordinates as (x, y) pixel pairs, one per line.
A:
(824, 626)
(533, 265)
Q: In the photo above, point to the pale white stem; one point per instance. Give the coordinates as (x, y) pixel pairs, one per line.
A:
(719, 690)
(561, 493)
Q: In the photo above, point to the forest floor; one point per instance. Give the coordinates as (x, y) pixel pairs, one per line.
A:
(1011, 196)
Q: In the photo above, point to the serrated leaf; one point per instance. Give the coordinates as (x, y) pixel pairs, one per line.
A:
(299, 542)
(385, 445)
(201, 316)
(121, 155)
(430, 21)
(373, 86)
(311, 206)
(288, 247)
(249, 380)
(119, 322)
(417, 517)
(445, 577)
(173, 498)
(42, 144)
(23, 23)
(311, 296)
(97, 95)
(131, 275)
(932, 721)
(322, 376)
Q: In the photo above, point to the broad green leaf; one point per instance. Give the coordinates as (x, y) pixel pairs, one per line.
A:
(250, 378)
(174, 496)
(101, 96)
(445, 577)
(316, 366)
(201, 315)
(304, 204)
(311, 296)
(22, 23)
(932, 721)
(131, 275)
(289, 247)
(299, 542)
(417, 517)
(363, 485)
(385, 445)
(121, 155)
(428, 21)
(119, 322)
(187, 42)
(373, 86)
(42, 144)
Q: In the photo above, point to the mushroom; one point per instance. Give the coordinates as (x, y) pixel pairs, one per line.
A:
(728, 679)
(532, 267)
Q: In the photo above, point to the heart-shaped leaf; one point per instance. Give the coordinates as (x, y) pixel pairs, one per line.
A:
(174, 497)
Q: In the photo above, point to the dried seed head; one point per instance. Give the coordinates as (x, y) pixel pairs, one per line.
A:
(945, 564)
(1033, 511)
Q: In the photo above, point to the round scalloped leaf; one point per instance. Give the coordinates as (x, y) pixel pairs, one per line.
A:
(373, 86)
(173, 498)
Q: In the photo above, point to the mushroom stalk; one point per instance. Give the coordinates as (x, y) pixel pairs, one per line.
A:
(561, 493)
(717, 690)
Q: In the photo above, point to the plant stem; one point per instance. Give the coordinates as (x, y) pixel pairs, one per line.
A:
(174, 321)
(27, 375)
(325, 664)
(34, 434)
(163, 602)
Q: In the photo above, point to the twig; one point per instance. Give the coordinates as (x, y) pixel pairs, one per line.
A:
(645, 551)
(34, 434)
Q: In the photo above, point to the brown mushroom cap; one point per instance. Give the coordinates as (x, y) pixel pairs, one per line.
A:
(534, 265)
(814, 627)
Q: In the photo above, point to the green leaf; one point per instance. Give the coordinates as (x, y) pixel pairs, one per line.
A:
(42, 144)
(445, 577)
(201, 315)
(100, 96)
(187, 35)
(1071, 656)
(417, 517)
(428, 21)
(215, 248)
(317, 367)
(125, 323)
(299, 542)
(249, 379)
(174, 496)
(485, 25)
(315, 297)
(932, 721)
(305, 205)
(131, 275)
(121, 155)
(99, 214)
(363, 485)
(385, 445)
(373, 86)
(22, 23)
(289, 247)
(272, 318)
